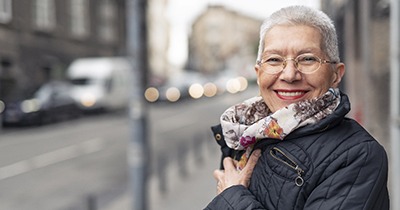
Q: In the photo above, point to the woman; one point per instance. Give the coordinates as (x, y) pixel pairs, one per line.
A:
(295, 147)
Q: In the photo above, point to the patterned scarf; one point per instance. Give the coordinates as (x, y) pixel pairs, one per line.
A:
(246, 123)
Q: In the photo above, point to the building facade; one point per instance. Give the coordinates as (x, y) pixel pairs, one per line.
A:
(363, 28)
(222, 39)
(158, 41)
(39, 38)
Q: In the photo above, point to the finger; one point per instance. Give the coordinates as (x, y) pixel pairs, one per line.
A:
(248, 169)
(229, 164)
(252, 161)
(219, 187)
(218, 175)
(235, 163)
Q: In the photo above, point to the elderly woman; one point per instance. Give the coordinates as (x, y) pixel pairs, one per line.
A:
(294, 148)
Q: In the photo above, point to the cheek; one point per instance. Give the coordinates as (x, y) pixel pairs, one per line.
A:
(265, 83)
(330, 80)
(265, 80)
(321, 83)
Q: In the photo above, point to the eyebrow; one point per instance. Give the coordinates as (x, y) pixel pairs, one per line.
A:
(272, 52)
(302, 51)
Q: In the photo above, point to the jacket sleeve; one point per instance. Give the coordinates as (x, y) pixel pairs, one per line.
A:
(358, 180)
(235, 198)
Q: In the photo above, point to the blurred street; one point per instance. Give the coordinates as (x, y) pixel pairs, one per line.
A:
(81, 163)
(62, 59)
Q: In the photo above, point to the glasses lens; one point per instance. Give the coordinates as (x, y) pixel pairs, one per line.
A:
(274, 64)
(308, 63)
(305, 63)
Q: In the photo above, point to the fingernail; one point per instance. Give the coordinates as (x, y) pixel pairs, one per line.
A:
(257, 153)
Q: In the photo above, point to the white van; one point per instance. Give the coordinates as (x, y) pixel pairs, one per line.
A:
(101, 83)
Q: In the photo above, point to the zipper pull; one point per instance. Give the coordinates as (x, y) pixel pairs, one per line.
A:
(299, 181)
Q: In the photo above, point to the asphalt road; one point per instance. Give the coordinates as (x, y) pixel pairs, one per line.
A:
(82, 164)
(62, 166)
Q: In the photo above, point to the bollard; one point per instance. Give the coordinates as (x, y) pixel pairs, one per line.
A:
(162, 166)
(198, 148)
(91, 202)
(182, 156)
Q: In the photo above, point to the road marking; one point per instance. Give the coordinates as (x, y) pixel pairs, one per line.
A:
(53, 157)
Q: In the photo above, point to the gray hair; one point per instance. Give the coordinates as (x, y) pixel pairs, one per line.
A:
(302, 15)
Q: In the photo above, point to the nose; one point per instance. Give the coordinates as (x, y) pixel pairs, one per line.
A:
(295, 64)
(290, 72)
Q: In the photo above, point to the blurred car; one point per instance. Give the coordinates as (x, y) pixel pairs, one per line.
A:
(50, 102)
(100, 83)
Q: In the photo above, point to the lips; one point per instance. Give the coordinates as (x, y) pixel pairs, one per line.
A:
(290, 95)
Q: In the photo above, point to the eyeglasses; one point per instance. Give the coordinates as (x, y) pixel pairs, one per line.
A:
(304, 63)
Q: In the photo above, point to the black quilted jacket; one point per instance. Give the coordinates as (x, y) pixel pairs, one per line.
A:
(334, 164)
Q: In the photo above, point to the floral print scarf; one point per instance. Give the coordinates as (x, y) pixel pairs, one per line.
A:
(246, 123)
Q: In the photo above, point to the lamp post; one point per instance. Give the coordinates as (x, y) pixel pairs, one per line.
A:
(138, 150)
(394, 103)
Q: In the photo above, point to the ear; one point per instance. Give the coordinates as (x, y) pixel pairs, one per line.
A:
(257, 69)
(338, 74)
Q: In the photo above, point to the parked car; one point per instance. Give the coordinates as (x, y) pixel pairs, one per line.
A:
(100, 83)
(50, 102)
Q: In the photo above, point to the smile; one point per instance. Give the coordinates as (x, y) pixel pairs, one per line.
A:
(290, 95)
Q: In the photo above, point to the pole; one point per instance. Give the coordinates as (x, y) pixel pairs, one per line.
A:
(138, 151)
(2, 107)
(394, 104)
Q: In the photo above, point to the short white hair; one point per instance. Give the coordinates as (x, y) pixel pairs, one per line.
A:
(302, 15)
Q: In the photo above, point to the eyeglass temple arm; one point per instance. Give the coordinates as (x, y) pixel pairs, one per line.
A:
(330, 62)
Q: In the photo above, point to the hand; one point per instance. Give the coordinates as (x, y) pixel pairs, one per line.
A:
(230, 176)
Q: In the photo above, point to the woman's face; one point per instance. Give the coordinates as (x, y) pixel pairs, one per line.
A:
(289, 86)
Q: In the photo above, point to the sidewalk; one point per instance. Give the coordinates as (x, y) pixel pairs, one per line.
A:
(193, 191)
(189, 183)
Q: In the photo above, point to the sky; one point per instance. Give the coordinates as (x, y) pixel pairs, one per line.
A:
(181, 13)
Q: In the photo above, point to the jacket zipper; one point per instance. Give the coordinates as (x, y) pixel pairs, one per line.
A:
(299, 181)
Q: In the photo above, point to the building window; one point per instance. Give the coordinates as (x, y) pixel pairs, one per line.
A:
(107, 21)
(5, 11)
(45, 14)
(79, 18)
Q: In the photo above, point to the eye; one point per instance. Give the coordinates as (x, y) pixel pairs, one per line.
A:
(307, 59)
(274, 61)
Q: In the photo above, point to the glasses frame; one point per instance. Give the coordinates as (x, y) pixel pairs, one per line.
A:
(296, 63)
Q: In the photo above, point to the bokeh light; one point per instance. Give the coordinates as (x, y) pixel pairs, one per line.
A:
(233, 85)
(173, 94)
(210, 89)
(196, 90)
(243, 83)
(151, 94)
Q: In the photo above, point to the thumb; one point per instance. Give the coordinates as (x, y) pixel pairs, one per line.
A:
(218, 174)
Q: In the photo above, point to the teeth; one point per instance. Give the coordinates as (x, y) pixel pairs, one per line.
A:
(290, 93)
